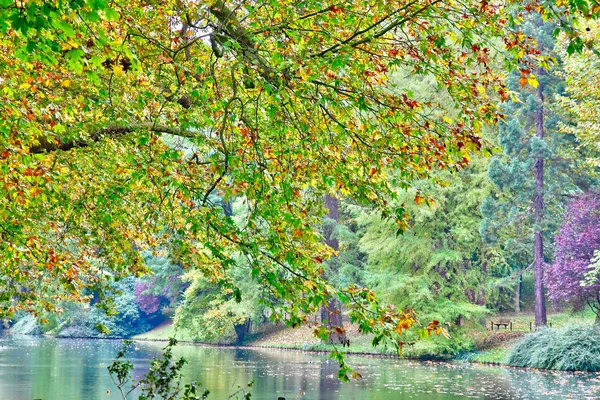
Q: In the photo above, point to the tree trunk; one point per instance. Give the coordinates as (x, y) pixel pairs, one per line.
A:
(331, 314)
(241, 330)
(518, 294)
(595, 306)
(538, 248)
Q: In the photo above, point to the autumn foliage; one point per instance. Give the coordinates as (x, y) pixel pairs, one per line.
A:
(576, 242)
(127, 124)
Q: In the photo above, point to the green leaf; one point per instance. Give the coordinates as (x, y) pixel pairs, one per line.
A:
(111, 14)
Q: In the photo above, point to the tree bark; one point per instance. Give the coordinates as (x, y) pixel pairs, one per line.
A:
(538, 248)
(595, 306)
(518, 294)
(241, 330)
(111, 131)
(331, 314)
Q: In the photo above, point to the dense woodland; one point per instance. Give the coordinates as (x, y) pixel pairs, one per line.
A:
(400, 166)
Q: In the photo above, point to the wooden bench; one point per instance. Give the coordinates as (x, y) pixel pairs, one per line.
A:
(504, 322)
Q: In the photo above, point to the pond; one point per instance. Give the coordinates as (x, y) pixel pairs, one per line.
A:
(73, 369)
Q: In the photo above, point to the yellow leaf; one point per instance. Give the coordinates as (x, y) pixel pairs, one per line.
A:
(118, 70)
(532, 80)
(310, 284)
(453, 37)
(66, 83)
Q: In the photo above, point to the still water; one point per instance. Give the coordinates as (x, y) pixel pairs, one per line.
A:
(73, 369)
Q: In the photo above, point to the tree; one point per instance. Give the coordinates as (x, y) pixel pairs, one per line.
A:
(582, 99)
(211, 313)
(534, 171)
(576, 241)
(441, 266)
(283, 102)
(163, 287)
(331, 312)
(215, 309)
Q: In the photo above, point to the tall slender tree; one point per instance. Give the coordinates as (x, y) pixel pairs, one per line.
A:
(538, 249)
(533, 172)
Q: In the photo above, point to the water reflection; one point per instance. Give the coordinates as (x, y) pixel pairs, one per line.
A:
(63, 369)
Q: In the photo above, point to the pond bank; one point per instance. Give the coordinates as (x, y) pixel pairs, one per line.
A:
(486, 347)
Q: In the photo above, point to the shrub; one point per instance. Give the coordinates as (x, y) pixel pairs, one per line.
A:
(568, 349)
(27, 325)
(127, 322)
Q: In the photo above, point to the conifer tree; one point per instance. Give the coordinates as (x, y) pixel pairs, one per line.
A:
(532, 173)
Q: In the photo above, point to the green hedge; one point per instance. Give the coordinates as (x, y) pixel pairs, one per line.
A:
(574, 348)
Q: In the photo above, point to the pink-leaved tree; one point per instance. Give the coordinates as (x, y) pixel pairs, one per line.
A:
(575, 244)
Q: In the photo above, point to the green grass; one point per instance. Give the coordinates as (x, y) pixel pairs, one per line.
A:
(470, 343)
(556, 320)
(432, 348)
(359, 345)
(164, 332)
(495, 355)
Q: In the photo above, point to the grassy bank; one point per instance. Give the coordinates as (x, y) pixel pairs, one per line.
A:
(469, 343)
(164, 332)
(494, 347)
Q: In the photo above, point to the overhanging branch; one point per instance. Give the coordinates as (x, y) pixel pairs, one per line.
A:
(112, 131)
(231, 27)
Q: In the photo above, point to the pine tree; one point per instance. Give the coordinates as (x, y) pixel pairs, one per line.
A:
(533, 173)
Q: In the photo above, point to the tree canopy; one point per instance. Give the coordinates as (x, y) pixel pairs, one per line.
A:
(122, 121)
(580, 103)
(576, 242)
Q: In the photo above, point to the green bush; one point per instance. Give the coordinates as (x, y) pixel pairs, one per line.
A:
(127, 322)
(434, 346)
(26, 324)
(575, 348)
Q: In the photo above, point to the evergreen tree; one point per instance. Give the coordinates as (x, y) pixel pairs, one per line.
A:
(533, 172)
(440, 265)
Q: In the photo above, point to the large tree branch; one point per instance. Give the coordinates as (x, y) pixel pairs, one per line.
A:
(354, 40)
(231, 27)
(112, 131)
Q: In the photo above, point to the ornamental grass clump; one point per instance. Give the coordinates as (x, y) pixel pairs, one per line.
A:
(574, 348)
